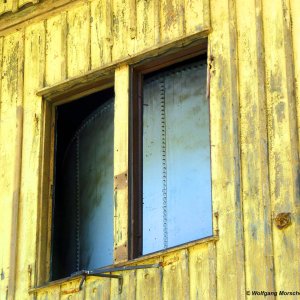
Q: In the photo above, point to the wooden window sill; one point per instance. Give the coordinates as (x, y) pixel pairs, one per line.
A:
(137, 261)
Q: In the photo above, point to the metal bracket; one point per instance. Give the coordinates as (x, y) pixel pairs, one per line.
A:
(102, 273)
(85, 273)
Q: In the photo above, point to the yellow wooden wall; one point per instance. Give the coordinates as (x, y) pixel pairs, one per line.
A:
(254, 56)
(8, 6)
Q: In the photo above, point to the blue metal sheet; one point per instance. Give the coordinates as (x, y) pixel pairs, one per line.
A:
(89, 190)
(176, 158)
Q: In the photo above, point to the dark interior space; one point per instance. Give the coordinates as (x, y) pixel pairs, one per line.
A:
(69, 117)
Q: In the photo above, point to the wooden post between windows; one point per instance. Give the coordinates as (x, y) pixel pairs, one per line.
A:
(121, 164)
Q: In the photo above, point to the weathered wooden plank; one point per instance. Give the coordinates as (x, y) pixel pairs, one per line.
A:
(56, 42)
(147, 25)
(52, 293)
(44, 210)
(122, 43)
(33, 79)
(101, 33)
(254, 154)
(121, 163)
(24, 2)
(70, 290)
(128, 287)
(194, 15)
(1, 62)
(225, 151)
(202, 271)
(97, 288)
(6, 6)
(33, 14)
(10, 157)
(176, 276)
(283, 142)
(78, 41)
(295, 20)
(149, 282)
(172, 19)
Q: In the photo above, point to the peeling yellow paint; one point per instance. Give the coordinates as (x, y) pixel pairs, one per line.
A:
(253, 47)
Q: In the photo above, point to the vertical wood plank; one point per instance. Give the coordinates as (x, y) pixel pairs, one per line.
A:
(101, 32)
(121, 163)
(1, 68)
(78, 51)
(56, 41)
(44, 211)
(52, 293)
(10, 157)
(295, 21)
(254, 153)
(176, 276)
(97, 288)
(33, 80)
(283, 141)
(149, 283)
(172, 19)
(122, 42)
(225, 152)
(69, 290)
(128, 288)
(147, 24)
(194, 16)
(202, 272)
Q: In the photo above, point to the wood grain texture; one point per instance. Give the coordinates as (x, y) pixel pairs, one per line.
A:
(147, 24)
(33, 77)
(101, 33)
(176, 276)
(255, 115)
(121, 162)
(97, 288)
(6, 6)
(172, 19)
(283, 141)
(194, 15)
(24, 2)
(202, 270)
(254, 149)
(128, 288)
(78, 40)
(149, 283)
(225, 152)
(10, 156)
(70, 290)
(294, 10)
(14, 5)
(122, 43)
(295, 27)
(56, 46)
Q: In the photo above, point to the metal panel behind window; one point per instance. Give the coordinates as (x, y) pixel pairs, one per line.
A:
(88, 186)
(176, 158)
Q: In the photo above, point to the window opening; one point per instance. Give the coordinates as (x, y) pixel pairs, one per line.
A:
(83, 205)
(175, 189)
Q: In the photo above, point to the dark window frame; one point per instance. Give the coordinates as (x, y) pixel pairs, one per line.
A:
(137, 72)
(52, 97)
